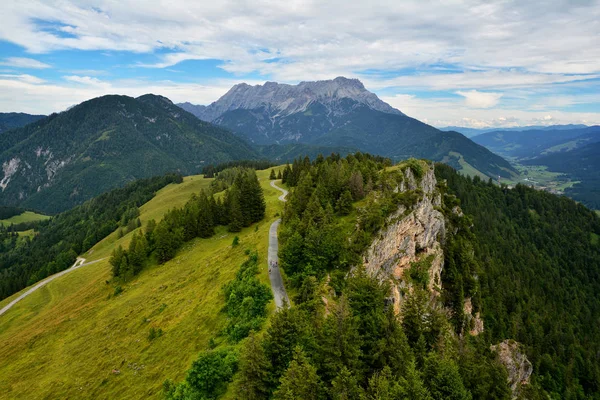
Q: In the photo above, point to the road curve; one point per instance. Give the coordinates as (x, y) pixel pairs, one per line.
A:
(279, 293)
(78, 264)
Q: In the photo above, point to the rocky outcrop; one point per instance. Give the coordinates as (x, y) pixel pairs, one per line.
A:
(411, 234)
(517, 365)
(473, 322)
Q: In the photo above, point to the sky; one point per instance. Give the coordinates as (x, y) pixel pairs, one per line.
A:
(476, 64)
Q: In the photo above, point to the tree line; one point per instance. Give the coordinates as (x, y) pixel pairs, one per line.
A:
(241, 205)
(59, 240)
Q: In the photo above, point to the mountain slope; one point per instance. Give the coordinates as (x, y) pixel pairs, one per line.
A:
(341, 113)
(581, 164)
(67, 158)
(16, 120)
(535, 142)
(472, 132)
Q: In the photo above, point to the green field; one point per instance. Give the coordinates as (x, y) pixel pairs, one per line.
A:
(539, 177)
(27, 216)
(66, 339)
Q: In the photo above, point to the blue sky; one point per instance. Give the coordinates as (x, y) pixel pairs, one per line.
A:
(466, 63)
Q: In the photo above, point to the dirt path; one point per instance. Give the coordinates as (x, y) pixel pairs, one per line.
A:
(78, 264)
(279, 293)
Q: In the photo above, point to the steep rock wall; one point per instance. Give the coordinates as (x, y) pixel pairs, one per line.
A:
(410, 235)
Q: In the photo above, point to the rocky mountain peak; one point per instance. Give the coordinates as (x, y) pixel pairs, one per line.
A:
(282, 99)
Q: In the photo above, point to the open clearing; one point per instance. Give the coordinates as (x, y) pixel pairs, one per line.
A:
(27, 216)
(69, 338)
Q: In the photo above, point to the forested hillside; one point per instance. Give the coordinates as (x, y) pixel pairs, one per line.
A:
(16, 120)
(67, 158)
(58, 241)
(341, 338)
(538, 265)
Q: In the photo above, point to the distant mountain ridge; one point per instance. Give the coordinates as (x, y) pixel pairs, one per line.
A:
(341, 113)
(16, 120)
(471, 132)
(282, 100)
(534, 143)
(67, 158)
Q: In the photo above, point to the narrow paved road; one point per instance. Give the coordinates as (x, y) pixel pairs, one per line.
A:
(78, 264)
(279, 293)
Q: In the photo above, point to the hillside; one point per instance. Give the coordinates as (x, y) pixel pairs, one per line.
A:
(67, 158)
(341, 113)
(534, 143)
(16, 120)
(360, 244)
(66, 339)
(583, 165)
(472, 132)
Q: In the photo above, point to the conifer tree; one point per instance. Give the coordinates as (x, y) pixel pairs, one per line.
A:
(300, 380)
(272, 176)
(116, 259)
(344, 203)
(254, 371)
(345, 386)
(236, 218)
(279, 176)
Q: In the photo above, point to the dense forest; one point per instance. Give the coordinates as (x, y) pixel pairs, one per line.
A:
(341, 339)
(537, 257)
(58, 241)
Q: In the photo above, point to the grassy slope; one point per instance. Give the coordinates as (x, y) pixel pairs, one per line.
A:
(64, 340)
(27, 216)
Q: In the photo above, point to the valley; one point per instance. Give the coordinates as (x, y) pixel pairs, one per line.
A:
(68, 338)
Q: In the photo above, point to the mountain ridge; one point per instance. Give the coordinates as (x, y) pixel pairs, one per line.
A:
(340, 113)
(102, 143)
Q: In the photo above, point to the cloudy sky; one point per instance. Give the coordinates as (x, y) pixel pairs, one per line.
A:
(465, 63)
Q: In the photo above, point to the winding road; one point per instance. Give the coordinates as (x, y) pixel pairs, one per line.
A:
(279, 293)
(78, 264)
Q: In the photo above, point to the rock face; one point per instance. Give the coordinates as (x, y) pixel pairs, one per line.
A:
(473, 321)
(410, 235)
(283, 100)
(519, 368)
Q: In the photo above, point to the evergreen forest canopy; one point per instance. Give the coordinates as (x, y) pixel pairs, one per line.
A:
(59, 240)
(528, 259)
(537, 258)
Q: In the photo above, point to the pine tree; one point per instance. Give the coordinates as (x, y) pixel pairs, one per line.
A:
(345, 386)
(356, 185)
(236, 218)
(382, 386)
(272, 176)
(344, 203)
(279, 176)
(254, 371)
(116, 259)
(443, 379)
(341, 341)
(300, 380)
(411, 384)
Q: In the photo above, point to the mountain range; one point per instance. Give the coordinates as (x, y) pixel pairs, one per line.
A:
(471, 132)
(67, 158)
(16, 120)
(340, 113)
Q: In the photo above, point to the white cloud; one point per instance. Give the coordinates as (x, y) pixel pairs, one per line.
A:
(476, 99)
(453, 112)
(22, 62)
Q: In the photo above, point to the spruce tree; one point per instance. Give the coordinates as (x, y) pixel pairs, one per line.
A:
(344, 203)
(300, 380)
(279, 176)
(272, 176)
(254, 371)
(236, 218)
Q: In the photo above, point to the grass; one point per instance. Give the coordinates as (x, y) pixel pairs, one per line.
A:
(466, 168)
(66, 339)
(539, 177)
(27, 216)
